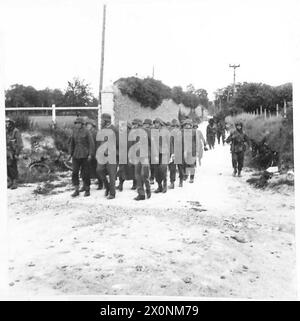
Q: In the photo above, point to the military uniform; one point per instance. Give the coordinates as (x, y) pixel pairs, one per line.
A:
(172, 165)
(81, 149)
(189, 167)
(211, 134)
(126, 171)
(142, 168)
(14, 146)
(221, 132)
(238, 140)
(160, 169)
(108, 169)
(93, 162)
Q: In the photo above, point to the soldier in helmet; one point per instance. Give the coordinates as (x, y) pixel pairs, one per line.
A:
(189, 151)
(92, 128)
(160, 169)
(238, 140)
(175, 130)
(142, 168)
(211, 134)
(81, 149)
(14, 146)
(108, 169)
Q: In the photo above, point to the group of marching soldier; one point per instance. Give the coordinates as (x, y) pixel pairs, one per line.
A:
(83, 146)
(84, 143)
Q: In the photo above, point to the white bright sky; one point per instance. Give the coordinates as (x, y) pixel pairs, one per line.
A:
(47, 43)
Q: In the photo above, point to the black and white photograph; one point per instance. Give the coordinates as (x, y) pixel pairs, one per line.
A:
(147, 149)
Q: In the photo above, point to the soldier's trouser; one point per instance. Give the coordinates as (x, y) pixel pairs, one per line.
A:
(152, 172)
(141, 173)
(211, 141)
(122, 173)
(238, 160)
(12, 169)
(172, 169)
(190, 169)
(219, 135)
(111, 171)
(160, 172)
(81, 165)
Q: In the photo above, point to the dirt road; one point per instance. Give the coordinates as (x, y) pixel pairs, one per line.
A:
(218, 237)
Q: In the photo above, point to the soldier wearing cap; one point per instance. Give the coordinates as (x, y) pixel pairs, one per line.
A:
(175, 130)
(92, 128)
(81, 149)
(160, 169)
(142, 168)
(108, 169)
(14, 146)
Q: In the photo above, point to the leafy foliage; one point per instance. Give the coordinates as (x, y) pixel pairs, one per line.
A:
(150, 92)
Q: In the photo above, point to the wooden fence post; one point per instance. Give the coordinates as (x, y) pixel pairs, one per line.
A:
(53, 114)
(265, 111)
(284, 109)
(277, 110)
(99, 115)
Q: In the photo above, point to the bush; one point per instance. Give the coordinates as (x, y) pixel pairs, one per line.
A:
(150, 92)
(22, 121)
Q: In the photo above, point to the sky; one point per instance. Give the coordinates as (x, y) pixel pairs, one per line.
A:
(46, 43)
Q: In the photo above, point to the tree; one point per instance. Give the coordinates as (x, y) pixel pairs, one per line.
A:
(22, 96)
(78, 94)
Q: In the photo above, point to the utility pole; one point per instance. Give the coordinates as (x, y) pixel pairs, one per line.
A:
(102, 53)
(234, 67)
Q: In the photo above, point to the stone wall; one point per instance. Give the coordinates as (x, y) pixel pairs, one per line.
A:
(126, 109)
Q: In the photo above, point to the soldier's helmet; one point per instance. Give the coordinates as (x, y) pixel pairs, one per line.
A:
(137, 122)
(211, 121)
(239, 123)
(147, 121)
(92, 122)
(158, 121)
(79, 120)
(188, 122)
(9, 120)
(195, 125)
(106, 117)
(174, 123)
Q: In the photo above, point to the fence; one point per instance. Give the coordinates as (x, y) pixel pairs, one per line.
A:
(263, 111)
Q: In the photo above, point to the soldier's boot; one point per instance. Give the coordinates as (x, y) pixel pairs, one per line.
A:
(110, 197)
(180, 183)
(148, 193)
(133, 187)
(100, 185)
(239, 174)
(234, 172)
(139, 198)
(106, 192)
(87, 192)
(82, 189)
(76, 192)
(9, 183)
(14, 184)
(159, 189)
(192, 179)
(171, 186)
(164, 190)
(120, 186)
(151, 181)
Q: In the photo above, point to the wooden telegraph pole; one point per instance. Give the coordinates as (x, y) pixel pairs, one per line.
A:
(234, 68)
(101, 65)
(102, 53)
